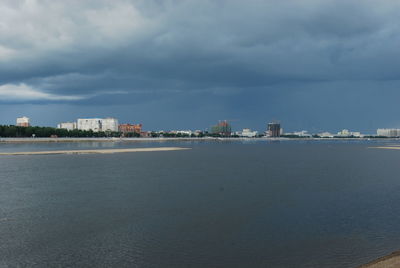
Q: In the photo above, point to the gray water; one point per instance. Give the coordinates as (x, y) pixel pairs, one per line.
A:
(221, 204)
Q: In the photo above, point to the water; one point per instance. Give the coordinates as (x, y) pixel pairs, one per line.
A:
(221, 204)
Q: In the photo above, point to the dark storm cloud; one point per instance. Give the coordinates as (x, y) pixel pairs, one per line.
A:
(119, 52)
(138, 45)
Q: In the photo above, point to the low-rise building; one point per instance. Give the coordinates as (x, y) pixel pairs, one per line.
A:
(325, 135)
(344, 133)
(248, 133)
(303, 134)
(198, 133)
(145, 134)
(23, 121)
(388, 132)
(347, 133)
(67, 125)
(356, 134)
(182, 132)
(130, 128)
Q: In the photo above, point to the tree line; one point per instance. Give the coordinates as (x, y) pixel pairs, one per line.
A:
(11, 131)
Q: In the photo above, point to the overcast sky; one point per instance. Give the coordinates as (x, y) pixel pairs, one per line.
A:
(312, 64)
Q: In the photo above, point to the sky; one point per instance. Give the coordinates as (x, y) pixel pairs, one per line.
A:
(317, 65)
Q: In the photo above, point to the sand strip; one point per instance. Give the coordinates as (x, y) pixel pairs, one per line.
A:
(390, 261)
(99, 151)
(386, 147)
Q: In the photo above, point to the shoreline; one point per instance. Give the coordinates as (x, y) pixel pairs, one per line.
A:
(386, 147)
(389, 261)
(97, 151)
(102, 139)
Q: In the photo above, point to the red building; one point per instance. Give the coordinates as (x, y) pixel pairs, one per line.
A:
(130, 128)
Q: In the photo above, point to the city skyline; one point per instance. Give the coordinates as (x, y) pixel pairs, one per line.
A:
(223, 127)
(316, 65)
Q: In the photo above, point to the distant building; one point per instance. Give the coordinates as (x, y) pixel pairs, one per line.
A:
(388, 132)
(303, 134)
(344, 133)
(23, 121)
(198, 133)
(325, 135)
(223, 128)
(67, 125)
(274, 129)
(145, 134)
(182, 132)
(248, 133)
(130, 128)
(98, 124)
(87, 124)
(347, 133)
(109, 124)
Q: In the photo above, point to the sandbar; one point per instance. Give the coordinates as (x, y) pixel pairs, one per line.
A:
(386, 147)
(98, 151)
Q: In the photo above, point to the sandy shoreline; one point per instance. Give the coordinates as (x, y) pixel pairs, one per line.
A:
(39, 140)
(386, 147)
(98, 151)
(163, 139)
(389, 261)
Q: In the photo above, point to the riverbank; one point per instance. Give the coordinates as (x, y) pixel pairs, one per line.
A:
(38, 140)
(390, 261)
(161, 139)
(98, 151)
(386, 147)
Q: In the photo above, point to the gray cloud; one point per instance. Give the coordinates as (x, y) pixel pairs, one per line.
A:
(118, 52)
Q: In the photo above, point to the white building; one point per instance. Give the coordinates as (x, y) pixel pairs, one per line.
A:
(325, 135)
(344, 133)
(198, 132)
(246, 132)
(388, 132)
(109, 124)
(356, 134)
(67, 125)
(23, 121)
(87, 124)
(184, 132)
(302, 133)
(98, 124)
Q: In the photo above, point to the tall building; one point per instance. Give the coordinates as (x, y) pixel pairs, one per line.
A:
(98, 124)
(223, 128)
(274, 129)
(109, 124)
(67, 125)
(87, 124)
(23, 121)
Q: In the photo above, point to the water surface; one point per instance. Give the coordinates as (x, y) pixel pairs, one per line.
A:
(221, 204)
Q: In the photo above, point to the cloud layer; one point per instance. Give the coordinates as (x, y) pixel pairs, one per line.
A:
(193, 51)
(10, 92)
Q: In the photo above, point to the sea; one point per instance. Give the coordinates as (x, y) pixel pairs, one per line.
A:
(245, 203)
